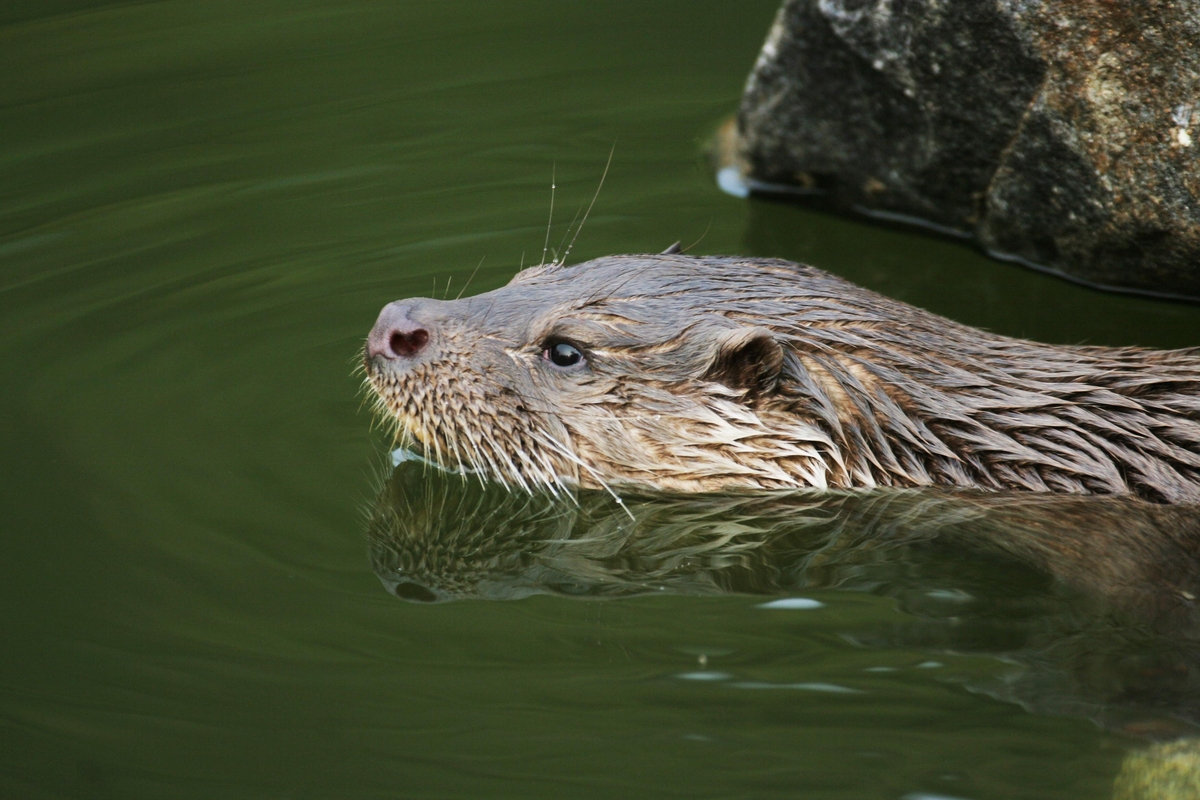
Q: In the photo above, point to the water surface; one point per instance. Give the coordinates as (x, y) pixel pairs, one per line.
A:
(203, 205)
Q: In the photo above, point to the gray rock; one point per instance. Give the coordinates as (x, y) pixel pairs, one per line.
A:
(1064, 135)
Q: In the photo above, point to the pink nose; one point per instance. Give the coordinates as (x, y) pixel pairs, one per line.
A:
(395, 335)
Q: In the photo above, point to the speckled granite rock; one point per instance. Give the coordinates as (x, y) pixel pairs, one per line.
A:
(1163, 772)
(1062, 134)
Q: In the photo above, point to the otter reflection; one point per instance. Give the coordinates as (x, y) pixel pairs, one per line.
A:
(1096, 598)
(448, 536)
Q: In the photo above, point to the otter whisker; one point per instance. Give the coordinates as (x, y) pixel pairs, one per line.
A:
(530, 470)
(556, 262)
(541, 470)
(458, 456)
(562, 450)
(484, 472)
(550, 478)
(471, 277)
(429, 426)
(482, 449)
(365, 398)
(477, 465)
(507, 461)
(546, 245)
(596, 195)
(707, 228)
(558, 486)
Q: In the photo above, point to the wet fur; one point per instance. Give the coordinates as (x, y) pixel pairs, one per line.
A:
(709, 373)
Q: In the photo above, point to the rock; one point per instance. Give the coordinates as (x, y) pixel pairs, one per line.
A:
(1064, 135)
(1168, 771)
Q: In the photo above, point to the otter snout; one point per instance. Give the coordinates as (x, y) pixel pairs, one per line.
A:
(396, 334)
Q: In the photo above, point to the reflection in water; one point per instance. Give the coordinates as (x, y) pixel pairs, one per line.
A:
(1094, 598)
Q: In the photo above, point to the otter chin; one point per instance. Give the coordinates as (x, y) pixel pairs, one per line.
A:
(676, 373)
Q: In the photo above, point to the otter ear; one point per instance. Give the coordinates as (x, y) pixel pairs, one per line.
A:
(749, 359)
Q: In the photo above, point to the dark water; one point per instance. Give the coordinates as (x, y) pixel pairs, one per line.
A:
(203, 206)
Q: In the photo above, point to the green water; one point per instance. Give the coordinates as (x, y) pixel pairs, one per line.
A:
(203, 205)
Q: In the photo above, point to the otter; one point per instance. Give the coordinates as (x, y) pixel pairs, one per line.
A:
(693, 374)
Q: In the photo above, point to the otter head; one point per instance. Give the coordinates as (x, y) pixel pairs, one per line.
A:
(612, 372)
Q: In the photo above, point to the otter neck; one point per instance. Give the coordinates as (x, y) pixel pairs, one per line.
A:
(1005, 415)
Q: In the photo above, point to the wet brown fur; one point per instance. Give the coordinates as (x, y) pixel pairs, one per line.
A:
(709, 373)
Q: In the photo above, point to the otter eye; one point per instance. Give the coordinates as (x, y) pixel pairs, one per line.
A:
(562, 354)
